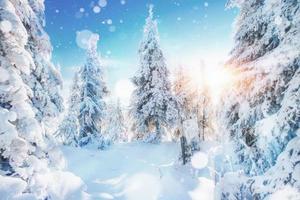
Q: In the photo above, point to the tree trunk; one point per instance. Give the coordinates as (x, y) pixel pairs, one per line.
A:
(183, 149)
(158, 131)
(203, 123)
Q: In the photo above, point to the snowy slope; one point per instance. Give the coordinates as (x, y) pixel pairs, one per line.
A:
(137, 172)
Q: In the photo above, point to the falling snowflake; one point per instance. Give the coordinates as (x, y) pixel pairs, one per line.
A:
(206, 4)
(81, 10)
(96, 9)
(57, 11)
(86, 38)
(102, 3)
(79, 14)
(177, 4)
(112, 28)
(5, 26)
(109, 21)
(123, 2)
(121, 21)
(178, 18)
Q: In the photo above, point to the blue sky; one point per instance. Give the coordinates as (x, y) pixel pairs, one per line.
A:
(190, 31)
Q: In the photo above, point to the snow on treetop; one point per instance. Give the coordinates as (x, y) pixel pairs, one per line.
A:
(151, 11)
(234, 3)
(4, 75)
(86, 39)
(5, 26)
(287, 192)
(150, 28)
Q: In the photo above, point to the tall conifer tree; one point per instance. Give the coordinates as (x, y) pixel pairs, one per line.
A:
(92, 93)
(153, 107)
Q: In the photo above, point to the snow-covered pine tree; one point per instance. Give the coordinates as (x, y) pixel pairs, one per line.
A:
(264, 80)
(262, 114)
(116, 130)
(205, 114)
(186, 98)
(185, 93)
(68, 130)
(24, 152)
(204, 108)
(44, 79)
(153, 107)
(92, 93)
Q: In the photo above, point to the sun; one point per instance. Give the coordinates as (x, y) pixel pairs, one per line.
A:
(218, 78)
(215, 80)
(123, 90)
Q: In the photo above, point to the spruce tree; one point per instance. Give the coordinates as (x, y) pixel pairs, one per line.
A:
(92, 93)
(205, 113)
(68, 130)
(153, 107)
(185, 93)
(25, 154)
(261, 113)
(116, 129)
(261, 90)
(44, 79)
(186, 96)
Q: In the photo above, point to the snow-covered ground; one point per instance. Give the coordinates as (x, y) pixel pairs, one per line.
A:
(137, 171)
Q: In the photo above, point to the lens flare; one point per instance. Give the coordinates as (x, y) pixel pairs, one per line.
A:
(214, 80)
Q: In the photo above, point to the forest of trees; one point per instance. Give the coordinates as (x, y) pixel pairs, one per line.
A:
(259, 116)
